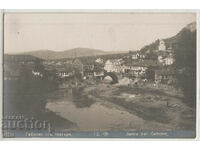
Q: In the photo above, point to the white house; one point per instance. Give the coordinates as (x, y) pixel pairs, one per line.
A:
(137, 71)
(137, 56)
(160, 59)
(37, 73)
(113, 65)
(99, 60)
(63, 74)
(167, 60)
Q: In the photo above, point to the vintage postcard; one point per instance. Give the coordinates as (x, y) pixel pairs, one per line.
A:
(99, 74)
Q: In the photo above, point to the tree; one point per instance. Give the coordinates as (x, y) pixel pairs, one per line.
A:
(185, 56)
(98, 67)
(151, 55)
(150, 73)
(78, 69)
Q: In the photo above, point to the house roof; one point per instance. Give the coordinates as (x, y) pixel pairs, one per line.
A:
(64, 69)
(164, 72)
(76, 61)
(144, 63)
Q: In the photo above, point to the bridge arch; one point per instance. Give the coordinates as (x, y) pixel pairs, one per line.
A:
(112, 75)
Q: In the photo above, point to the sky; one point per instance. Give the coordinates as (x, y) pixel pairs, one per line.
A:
(25, 32)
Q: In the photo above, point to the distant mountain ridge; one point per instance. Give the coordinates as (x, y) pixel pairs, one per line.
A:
(71, 53)
(76, 52)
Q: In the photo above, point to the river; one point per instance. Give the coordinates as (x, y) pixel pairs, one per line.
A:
(99, 115)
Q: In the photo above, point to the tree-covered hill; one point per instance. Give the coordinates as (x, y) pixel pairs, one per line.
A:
(184, 46)
(172, 41)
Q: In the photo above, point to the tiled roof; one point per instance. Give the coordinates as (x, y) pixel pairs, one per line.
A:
(164, 72)
(144, 63)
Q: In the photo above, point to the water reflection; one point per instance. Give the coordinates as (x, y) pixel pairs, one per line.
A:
(81, 100)
(90, 115)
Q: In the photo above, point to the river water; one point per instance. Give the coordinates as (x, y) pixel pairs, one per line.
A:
(100, 115)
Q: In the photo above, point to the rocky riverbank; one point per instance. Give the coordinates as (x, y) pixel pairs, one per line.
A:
(149, 103)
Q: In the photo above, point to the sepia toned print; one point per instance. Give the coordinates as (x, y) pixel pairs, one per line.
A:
(99, 75)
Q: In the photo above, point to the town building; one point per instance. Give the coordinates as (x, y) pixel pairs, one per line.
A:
(137, 55)
(99, 75)
(99, 60)
(135, 71)
(165, 56)
(165, 76)
(37, 73)
(64, 73)
(113, 65)
(162, 46)
(88, 70)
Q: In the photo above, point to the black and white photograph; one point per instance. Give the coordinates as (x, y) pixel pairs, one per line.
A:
(99, 74)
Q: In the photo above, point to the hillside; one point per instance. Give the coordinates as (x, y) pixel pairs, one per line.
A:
(184, 46)
(172, 41)
(76, 52)
(19, 58)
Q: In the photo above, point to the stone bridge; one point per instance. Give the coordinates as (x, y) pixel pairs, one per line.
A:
(112, 75)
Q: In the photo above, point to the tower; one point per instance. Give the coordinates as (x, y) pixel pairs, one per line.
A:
(162, 46)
